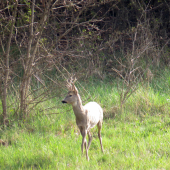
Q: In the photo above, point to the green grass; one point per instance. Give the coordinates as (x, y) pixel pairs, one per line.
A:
(136, 139)
(127, 145)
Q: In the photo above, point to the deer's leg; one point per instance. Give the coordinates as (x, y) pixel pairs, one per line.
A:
(99, 125)
(84, 143)
(90, 139)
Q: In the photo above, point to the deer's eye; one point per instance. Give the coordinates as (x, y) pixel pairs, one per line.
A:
(70, 95)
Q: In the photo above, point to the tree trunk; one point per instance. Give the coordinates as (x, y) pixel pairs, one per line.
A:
(4, 87)
(28, 67)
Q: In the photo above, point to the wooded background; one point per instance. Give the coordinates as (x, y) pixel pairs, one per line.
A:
(43, 42)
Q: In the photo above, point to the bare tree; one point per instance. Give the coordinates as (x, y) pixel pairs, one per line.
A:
(30, 57)
(131, 71)
(5, 66)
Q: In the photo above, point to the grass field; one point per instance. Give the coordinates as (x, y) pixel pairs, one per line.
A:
(139, 138)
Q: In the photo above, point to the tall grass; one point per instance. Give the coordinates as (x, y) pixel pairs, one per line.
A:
(137, 139)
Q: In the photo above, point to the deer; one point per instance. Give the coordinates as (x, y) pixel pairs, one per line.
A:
(87, 116)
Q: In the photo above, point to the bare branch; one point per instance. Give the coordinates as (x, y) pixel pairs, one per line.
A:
(5, 84)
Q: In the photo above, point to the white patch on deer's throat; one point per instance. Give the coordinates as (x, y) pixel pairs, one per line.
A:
(74, 104)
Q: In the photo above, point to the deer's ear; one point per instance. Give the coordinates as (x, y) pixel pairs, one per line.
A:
(75, 89)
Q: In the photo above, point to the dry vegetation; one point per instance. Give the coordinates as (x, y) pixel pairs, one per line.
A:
(43, 42)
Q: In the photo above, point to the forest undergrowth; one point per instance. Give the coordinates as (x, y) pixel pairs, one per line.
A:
(137, 138)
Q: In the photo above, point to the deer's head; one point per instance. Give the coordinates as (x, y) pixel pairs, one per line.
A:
(72, 95)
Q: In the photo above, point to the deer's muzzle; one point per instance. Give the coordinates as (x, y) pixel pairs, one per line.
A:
(63, 101)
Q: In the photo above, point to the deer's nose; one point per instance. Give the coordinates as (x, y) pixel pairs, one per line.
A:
(63, 101)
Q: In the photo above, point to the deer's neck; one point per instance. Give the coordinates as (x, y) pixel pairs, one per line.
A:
(78, 107)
